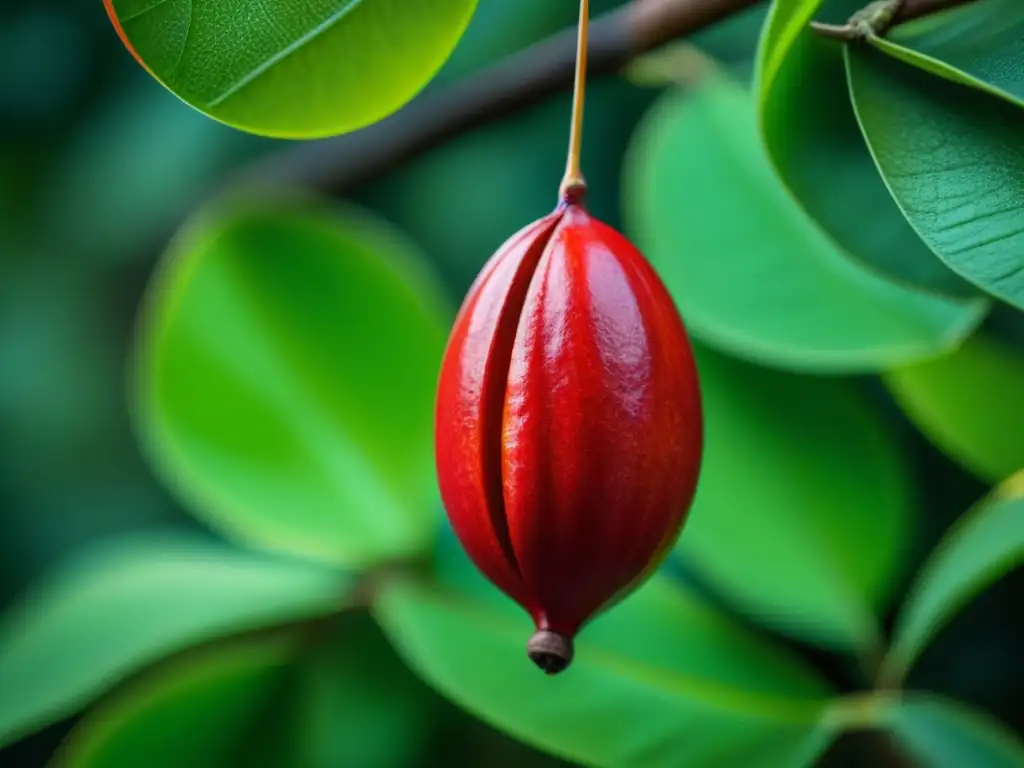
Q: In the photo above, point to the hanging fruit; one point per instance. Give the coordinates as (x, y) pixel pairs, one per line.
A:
(568, 419)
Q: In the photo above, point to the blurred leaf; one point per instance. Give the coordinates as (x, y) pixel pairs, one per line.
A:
(661, 680)
(976, 45)
(348, 702)
(803, 514)
(286, 381)
(816, 148)
(729, 44)
(750, 274)
(129, 604)
(970, 403)
(35, 88)
(952, 159)
(944, 734)
(984, 545)
(129, 170)
(297, 70)
(194, 714)
(733, 40)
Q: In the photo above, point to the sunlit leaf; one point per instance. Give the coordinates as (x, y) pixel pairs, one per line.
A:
(286, 379)
(953, 160)
(129, 604)
(970, 403)
(984, 545)
(816, 148)
(750, 273)
(290, 69)
(660, 680)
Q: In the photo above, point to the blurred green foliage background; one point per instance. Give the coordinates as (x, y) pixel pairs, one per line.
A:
(97, 160)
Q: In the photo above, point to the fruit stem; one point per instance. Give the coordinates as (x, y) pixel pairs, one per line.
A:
(573, 184)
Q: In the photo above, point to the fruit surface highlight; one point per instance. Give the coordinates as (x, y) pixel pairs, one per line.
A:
(568, 423)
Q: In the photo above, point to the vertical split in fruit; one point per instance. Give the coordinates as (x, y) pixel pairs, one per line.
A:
(568, 419)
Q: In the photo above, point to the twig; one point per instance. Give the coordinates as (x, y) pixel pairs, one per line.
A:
(877, 17)
(337, 165)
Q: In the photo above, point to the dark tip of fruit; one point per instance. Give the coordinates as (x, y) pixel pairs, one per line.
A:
(550, 651)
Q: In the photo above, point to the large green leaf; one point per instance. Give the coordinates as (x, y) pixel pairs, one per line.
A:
(661, 680)
(342, 699)
(349, 701)
(751, 275)
(983, 546)
(970, 403)
(290, 69)
(129, 604)
(953, 161)
(286, 381)
(803, 511)
(196, 713)
(814, 144)
(978, 44)
(944, 734)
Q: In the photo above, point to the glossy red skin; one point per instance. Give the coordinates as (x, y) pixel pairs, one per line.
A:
(569, 429)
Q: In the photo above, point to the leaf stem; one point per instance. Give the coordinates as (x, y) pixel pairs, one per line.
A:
(574, 186)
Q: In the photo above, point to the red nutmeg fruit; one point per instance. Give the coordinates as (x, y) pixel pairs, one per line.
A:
(568, 424)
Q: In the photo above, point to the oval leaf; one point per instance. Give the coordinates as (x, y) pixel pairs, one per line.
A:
(985, 544)
(970, 403)
(286, 381)
(127, 605)
(803, 511)
(345, 700)
(944, 734)
(751, 275)
(197, 713)
(976, 45)
(349, 701)
(661, 680)
(952, 159)
(814, 144)
(292, 70)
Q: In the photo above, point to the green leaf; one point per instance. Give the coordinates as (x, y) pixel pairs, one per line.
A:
(286, 381)
(976, 45)
(132, 602)
(944, 734)
(814, 144)
(803, 511)
(196, 713)
(323, 702)
(660, 680)
(984, 545)
(751, 275)
(349, 701)
(296, 70)
(952, 159)
(970, 403)
(786, 20)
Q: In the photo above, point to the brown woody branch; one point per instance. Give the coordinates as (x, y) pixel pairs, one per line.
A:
(523, 79)
(338, 164)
